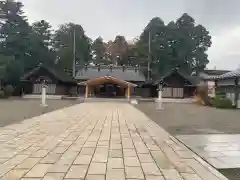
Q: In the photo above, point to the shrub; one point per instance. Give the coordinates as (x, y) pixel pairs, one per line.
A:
(8, 91)
(220, 94)
(1, 94)
(202, 92)
(223, 103)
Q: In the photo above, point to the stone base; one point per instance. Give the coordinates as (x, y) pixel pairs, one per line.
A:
(159, 100)
(134, 101)
(159, 105)
(44, 105)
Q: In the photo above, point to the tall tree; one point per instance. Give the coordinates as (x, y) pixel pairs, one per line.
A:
(99, 51)
(132, 54)
(179, 44)
(43, 31)
(16, 36)
(192, 42)
(119, 50)
(109, 51)
(152, 46)
(4, 63)
(42, 43)
(63, 43)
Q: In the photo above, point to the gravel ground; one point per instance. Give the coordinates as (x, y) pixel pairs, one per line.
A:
(193, 119)
(16, 110)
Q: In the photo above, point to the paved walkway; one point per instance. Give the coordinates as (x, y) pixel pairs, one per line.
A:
(220, 150)
(96, 141)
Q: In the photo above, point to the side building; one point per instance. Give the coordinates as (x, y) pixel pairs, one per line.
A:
(174, 84)
(58, 82)
(228, 85)
(207, 78)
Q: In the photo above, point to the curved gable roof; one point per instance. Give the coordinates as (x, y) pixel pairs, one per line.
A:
(57, 73)
(193, 80)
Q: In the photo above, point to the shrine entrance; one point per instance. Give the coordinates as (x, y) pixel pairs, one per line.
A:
(109, 90)
(108, 87)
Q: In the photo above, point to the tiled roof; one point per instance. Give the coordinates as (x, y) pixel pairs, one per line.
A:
(56, 72)
(129, 74)
(215, 72)
(194, 80)
(227, 75)
(230, 74)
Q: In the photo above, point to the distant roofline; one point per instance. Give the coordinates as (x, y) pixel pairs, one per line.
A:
(109, 66)
(120, 72)
(216, 70)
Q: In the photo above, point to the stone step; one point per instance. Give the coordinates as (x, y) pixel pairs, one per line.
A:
(105, 100)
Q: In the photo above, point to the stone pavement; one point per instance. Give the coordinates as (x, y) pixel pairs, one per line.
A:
(220, 150)
(96, 141)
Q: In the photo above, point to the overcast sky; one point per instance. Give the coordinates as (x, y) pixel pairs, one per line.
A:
(108, 18)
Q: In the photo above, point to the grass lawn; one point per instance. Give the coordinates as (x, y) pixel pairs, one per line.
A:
(16, 110)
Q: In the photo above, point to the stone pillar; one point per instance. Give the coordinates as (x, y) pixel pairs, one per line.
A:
(44, 96)
(160, 90)
(159, 100)
(86, 91)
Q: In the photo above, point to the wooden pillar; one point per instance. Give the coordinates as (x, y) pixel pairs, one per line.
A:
(86, 91)
(128, 92)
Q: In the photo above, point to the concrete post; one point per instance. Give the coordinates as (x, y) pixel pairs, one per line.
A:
(44, 96)
(159, 100)
(86, 91)
(159, 95)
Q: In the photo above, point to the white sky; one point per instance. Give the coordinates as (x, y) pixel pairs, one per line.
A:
(108, 18)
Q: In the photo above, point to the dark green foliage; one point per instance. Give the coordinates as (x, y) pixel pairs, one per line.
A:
(15, 32)
(222, 103)
(179, 44)
(99, 52)
(220, 94)
(63, 43)
(42, 44)
(119, 50)
(2, 94)
(4, 61)
(22, 46)
(8, 91)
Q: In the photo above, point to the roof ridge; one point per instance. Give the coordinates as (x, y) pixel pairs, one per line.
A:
(108, 67)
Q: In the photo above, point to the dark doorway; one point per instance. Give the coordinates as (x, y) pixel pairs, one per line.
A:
(109, 90)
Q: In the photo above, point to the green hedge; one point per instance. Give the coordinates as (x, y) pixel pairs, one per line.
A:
(2, 94)
(223, 103)
(6, 92)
